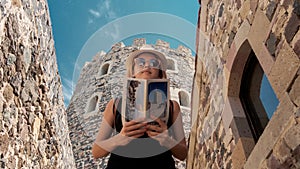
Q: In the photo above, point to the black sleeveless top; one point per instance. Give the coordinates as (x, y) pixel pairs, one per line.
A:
(142, 153)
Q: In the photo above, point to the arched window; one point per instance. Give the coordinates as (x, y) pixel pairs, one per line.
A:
(92, 104)
(257, 97)
(184, 99)
(171, 64)
(104, 69)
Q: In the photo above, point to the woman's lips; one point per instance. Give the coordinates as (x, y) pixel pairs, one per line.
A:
(146, 71)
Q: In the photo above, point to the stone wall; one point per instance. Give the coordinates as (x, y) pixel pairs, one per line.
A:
(33, 124)
(96, 87)
(228, 32)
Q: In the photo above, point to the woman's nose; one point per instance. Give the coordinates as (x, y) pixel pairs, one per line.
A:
(147, 65)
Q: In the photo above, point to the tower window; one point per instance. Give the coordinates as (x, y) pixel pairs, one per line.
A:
(171, 64)
(92, 104)
(104, 69)
(184, 99)
(255, 91)
(268, 97)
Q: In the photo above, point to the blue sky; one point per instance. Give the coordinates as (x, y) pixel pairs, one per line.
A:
(76, 25)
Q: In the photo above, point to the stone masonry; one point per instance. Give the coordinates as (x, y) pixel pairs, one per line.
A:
(102, 79)
(33, 125)
(227, 32)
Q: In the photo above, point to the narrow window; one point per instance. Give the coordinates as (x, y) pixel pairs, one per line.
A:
(104, 69)
(171, 64)
(92, 104)
(268, 97)
(253, 89)
(184, 99)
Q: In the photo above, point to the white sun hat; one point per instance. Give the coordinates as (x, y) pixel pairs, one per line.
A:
(145, 49)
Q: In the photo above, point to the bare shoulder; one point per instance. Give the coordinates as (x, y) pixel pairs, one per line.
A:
(175, 104)
(176, 108)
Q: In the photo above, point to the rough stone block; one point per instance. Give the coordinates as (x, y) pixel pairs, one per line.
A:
(241, 152)
(295, 44)
(264, 164)
(242, 34)
(271, 43)
(296, 154)
(281, 151)
(281, 18)
(228, 137)
(272, 162)
(287, 63)
(236, 107)
(271, 9)
(240, 128)
(4, 143)
(8, 93)
(265, 59)
(286, 3)
(295, 92)
(292, 27)
(245, 9)
(36, 128)
(1, 105)
(258, 32)
(292, 136)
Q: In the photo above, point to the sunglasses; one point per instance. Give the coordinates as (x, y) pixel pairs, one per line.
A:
(141, 63)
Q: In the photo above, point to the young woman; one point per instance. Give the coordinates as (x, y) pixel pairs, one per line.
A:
(139, 144)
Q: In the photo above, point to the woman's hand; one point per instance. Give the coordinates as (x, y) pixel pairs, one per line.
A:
(134, 129)
(160, 133)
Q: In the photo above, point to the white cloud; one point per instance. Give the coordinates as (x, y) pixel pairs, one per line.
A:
(95, 13)
(103, 10)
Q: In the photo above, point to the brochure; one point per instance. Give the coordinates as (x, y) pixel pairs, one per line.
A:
(143, 99)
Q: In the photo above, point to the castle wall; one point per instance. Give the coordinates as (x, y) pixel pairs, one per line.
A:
(228, 31)
(94, 90)
(33, 125)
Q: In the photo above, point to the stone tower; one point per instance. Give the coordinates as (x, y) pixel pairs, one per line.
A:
(101, 80)
(239, 43)
(33, 125)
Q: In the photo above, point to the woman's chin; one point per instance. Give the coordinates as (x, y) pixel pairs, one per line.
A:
(145, 75)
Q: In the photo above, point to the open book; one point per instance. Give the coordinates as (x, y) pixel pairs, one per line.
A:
(145, 98)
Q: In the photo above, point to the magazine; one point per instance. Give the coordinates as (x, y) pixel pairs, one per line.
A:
(143, 99)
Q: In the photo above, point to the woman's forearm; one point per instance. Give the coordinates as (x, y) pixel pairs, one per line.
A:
(179, 150)
(102, 148)
(99, 152)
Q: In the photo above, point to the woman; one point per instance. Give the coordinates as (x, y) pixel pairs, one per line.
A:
(136, 136)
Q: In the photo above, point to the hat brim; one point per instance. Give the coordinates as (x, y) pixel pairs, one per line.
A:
(136, 53)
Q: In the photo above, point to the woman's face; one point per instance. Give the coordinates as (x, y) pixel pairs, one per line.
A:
(146, 66)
